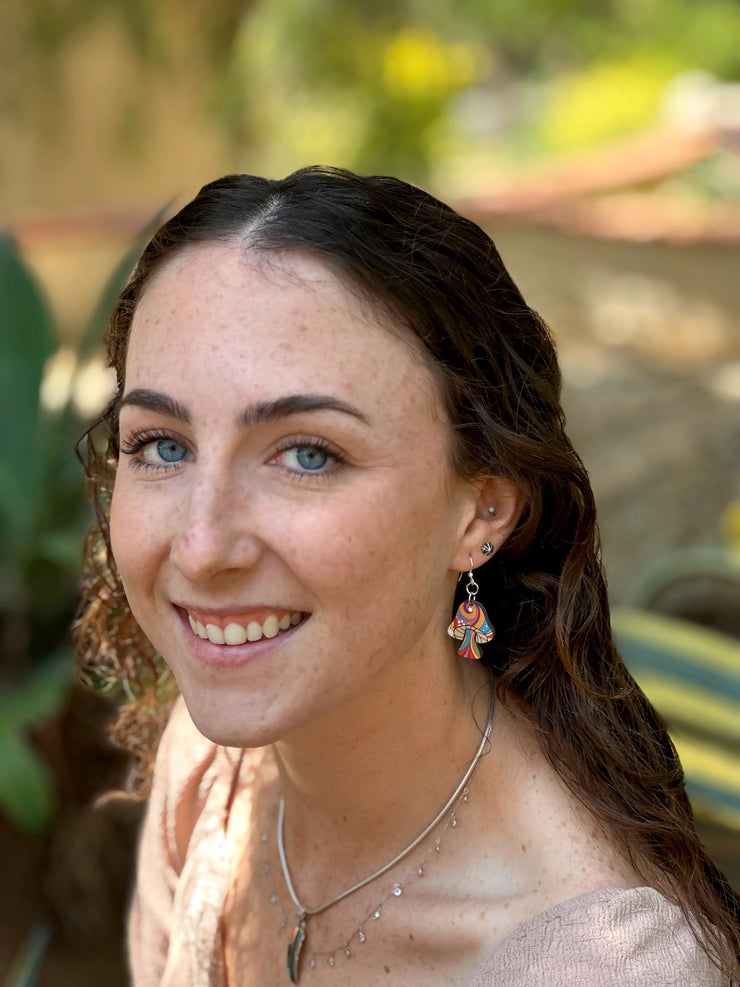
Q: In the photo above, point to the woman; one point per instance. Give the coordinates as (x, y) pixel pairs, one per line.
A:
(338, 462)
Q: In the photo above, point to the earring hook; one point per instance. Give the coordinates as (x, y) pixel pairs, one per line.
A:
(472, 587)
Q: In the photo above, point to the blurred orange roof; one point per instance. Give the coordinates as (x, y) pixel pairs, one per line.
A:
(611, 192)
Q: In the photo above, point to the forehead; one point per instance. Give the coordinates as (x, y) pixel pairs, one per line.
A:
(268, 322)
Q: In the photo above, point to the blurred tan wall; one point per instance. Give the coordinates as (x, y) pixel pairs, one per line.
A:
(96, 124)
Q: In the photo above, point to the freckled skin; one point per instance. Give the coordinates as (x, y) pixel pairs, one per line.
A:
(370, 550)
(371, 714)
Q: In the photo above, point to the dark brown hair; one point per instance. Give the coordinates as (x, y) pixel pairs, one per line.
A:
(439, 276)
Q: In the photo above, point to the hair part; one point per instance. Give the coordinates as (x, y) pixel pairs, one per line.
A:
(438, 276)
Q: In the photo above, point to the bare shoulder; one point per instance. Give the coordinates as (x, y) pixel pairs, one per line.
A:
(545, 847)
(529, 847)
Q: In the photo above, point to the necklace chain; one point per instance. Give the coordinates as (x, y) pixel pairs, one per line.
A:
(303, 913)
(359, 935)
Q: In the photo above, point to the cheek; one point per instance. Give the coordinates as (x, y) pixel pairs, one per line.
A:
(123, 537)
(117, 522)
(393, 547)
(132, 537)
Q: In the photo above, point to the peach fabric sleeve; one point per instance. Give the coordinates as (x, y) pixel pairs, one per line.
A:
(184, 861)
(607, 938)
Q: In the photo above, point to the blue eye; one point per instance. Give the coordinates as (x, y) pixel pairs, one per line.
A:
(154, 452)
(307, 456)
(311, 457)
(170, 451)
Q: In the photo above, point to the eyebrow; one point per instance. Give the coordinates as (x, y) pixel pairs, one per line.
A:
(154, 401)
(254, 414)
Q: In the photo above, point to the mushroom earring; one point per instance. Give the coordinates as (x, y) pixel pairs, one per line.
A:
(471, 625)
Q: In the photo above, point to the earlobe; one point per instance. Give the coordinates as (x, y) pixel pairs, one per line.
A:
(497, 509)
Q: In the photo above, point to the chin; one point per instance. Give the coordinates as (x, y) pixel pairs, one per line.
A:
(236, 739)
(229, 727)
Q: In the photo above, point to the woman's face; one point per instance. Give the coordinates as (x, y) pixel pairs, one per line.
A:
(284, 484)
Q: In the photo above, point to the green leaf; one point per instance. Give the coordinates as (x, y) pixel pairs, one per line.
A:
(26, 342)
(40, 696)
(26, 791)
(63, 548)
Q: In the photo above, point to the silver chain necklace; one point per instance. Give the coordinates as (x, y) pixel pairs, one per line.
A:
(303, 913)
(359, 936)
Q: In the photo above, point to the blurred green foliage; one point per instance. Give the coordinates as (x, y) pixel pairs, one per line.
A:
(43, 517)
(627, 92)
(378, 86)
(396, 85)
(40, 501)
(368, 92)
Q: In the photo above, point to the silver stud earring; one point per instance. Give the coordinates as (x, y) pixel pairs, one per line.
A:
(486, 548)
(492, 511)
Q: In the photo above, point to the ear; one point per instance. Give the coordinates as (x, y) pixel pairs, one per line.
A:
(486, 526)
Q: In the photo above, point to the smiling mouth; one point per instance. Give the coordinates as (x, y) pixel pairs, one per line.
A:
(230, 631)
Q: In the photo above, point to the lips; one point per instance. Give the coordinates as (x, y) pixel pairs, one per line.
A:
(240, 628)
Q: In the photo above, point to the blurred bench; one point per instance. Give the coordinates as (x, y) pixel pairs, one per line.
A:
(692, 676)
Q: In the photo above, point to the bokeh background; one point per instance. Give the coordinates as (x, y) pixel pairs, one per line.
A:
(599, 144)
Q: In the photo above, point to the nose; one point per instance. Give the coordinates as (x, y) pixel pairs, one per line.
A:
(212, 532)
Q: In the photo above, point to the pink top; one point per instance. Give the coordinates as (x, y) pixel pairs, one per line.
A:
(605, 938)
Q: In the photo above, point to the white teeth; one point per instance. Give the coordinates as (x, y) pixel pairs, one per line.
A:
(271, 627)
(254, 631)
(234, 634)
(215, 634)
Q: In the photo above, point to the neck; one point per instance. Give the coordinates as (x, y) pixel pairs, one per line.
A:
(363, 783)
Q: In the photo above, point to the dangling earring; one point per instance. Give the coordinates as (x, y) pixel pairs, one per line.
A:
(471, 624)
